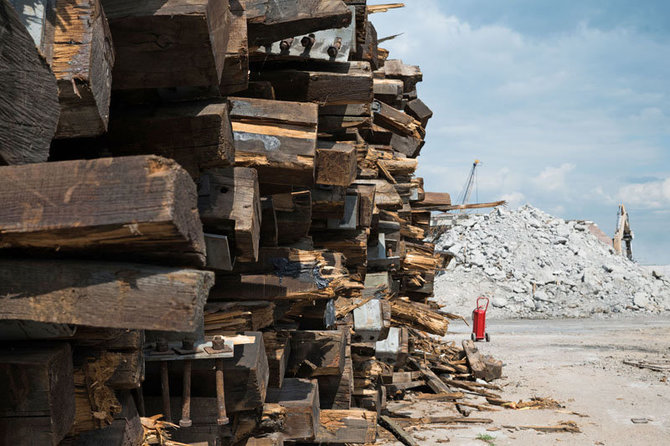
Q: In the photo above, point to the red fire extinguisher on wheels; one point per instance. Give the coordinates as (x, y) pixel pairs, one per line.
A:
(479, 321)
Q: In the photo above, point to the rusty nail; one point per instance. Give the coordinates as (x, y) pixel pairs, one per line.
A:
(186, 395)
(165, 390)
(222, 418)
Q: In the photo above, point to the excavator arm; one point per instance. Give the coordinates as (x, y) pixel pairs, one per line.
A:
(623, 233)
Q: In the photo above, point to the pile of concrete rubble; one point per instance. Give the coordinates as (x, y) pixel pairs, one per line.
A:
(531, 264)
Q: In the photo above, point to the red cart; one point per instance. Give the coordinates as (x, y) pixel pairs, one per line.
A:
(479, 321)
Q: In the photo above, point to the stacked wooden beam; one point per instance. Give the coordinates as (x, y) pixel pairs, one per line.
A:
(235, 245)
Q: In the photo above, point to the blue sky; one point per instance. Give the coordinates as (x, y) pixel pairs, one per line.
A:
(567, 104)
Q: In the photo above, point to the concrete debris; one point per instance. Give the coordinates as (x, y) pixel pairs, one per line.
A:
(534, 265)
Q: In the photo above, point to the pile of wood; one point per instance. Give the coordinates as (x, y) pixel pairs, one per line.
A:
(209, 213)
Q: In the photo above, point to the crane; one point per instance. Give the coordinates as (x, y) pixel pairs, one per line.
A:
(467, 189)
(623, 233)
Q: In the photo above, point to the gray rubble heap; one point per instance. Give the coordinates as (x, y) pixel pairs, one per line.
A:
(531, 264)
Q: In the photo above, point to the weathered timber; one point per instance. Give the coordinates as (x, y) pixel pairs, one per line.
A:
(37, 404)
(235, 76)
(26, 130)
(335, 392)
(83, 58)
(410, 75)
(339, 119)
(397, 431)
(395, 120)
(278, 349)
(292, 18)
(399, 166)
(278, 138)
(300, 399)
(419, 111)
(328, 202)
(326, 83)
(152, 40)
(388, 91)
(235, 317)
(229, 203)
(269, 234)
(142, 207)
(294, 216)
(335, 164)
(366, 203)
(408, 145)
(367, 50)
(482, 367)
(347, 426)
(386, 196)
(271, 286)
(433, 201)
(219, 257)
(353, 244)
(197, 135)
(325, 350)
(82, 292)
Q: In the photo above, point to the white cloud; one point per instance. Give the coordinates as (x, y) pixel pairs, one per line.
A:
(553, 178)
(514, 199)
(652, 195)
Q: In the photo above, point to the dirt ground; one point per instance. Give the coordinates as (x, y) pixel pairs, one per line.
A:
(576, 362)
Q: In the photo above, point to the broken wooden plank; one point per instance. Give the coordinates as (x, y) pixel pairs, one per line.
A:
(82, 292)
(323, 351)
(197, 135)
(144, 205)
(347, 426)
(432, 380)
(418, 316)
(278, 138)
(335, 164)
(229, 204)
(300, 399)
(481, 368)
(152, 40)
(397, 431)
(38, 394)
(26, 130)
(235, 317)
(83, 58)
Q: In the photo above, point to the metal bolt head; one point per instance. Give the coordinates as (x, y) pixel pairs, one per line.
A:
(218, 342)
